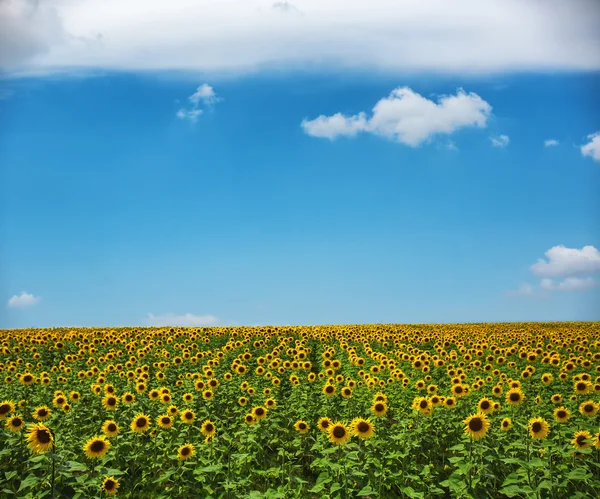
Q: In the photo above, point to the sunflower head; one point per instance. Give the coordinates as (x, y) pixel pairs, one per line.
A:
(40, 438)
(588, 408)
(339, 433)
(362, 428)
(110, 485)
(506, 424)
(6, 407)
(301, 426)
(208, 428)
(582, 439)
(110, 428)
(140, 423)
(379, 408)
(96, 447)
(185, 452)
(538, 428)
(324, 423)
(476, 425)
(562, 415)
(15, 423)
(165, 421)
(188, 416)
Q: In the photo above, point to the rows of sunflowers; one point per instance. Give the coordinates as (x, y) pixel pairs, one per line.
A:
(478, 410)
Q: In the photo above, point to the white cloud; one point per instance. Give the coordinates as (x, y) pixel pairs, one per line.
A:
(23, 300)
(592, 148)
(569, 284)
(243, 35)
(407, 117)
(182, 320)
(550, 143)
(500, 141)
(567, 261)
(524, 289)
(204, 94)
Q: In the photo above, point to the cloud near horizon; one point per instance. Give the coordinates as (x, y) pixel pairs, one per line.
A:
(182, 320)
(406, 117)
(23, 300)
(464, 36)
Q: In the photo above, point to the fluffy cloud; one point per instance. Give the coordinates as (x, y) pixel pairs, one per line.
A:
(23, 300)
(592, 148)
(204, 95)
(245, 35)
(182, 320)
(568, 284)
(550, 143)
(500, 141)
(407, 117)
(562, 261)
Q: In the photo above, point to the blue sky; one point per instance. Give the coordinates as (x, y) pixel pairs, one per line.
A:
(118, 208)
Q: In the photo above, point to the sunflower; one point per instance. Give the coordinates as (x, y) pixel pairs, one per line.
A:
(96, 447)
(515, 396)
(324, 423)
(188, 397)
(588, 408)
(423, 405)
(597, 440)
(172, 410)
(301, 426)
(128, 398)
(208, 394)
(485, 406)
(362, 428)
(208, 428)
(110, 485)
(506, 424)
(582, 387)
(185, 452)
(259, 413)
(6, 407)
(110, 428)
(270, 403)
(476, 426)
(249, 419)
(339, 433)
(379, 408)
(110, 402)
(242, 401)
(562, 415)
(449, 402)
(14, 423)
(329, 390)
(188, 416)
(380, 397)
(581, 439)
(538, 428)
(140, 423)
(460, 390)
(165, 421)
(557, 398)
(41, 413)
(40, 438)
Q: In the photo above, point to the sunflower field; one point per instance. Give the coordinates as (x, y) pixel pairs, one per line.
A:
(477, 410)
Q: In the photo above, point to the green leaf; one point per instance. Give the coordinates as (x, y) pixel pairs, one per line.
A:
(335, 487)
(30, 481)
(366, 491)
(75, 466)
(511, 490)
(579, 474)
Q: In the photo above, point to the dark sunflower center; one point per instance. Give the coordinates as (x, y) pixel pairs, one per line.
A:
(588, 408)
(4, 409)
(259, 412)
(504, 423)
(109, 485)
(209, 427)
(112, 427)
(42, 413)
(27, 378)
(185, 451)
(43, 436)
(17, 422)
(128, 398)
(188, 415)
(325, 424)
(536, 427)
(379, 407)
(423, 404)
(249, 418)
(581, 439)
(363, 427)
(166, 420)
(302, 426)
(339, 432)
(141, 422)
(112, 401)
(581, 386)
(476, 424)
(97, 446)
(329, 389)
(485, 405)
(515, 397)
(561, 414)
(449, 402)
(459, 389)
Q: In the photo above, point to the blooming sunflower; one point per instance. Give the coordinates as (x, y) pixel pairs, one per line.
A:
(270, 403)
(249, 419)
(128, 398)
(476, 425)
(110, 428)
(588, 408)
(515, 396)
(188, 416)
(346, 392)
(485, 406)
(538, 428)
(208, 395)
(41, 413)
(597, 440)
(165, 421)
(140, 423)
(329, 390)
(242, 401)
(6, 407)
(362, 428)
(259, 413)
(324, 423)
(110, 402)
(301, 426)
(562, 415)
(379, 408)
(449, 402)
(188, 397)
(581, 439)
(14, 423)
(110, 485)
(208, 428)
(506, 424)
(40, 438)
(96, 447)
(339, 433)
(185, 452)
